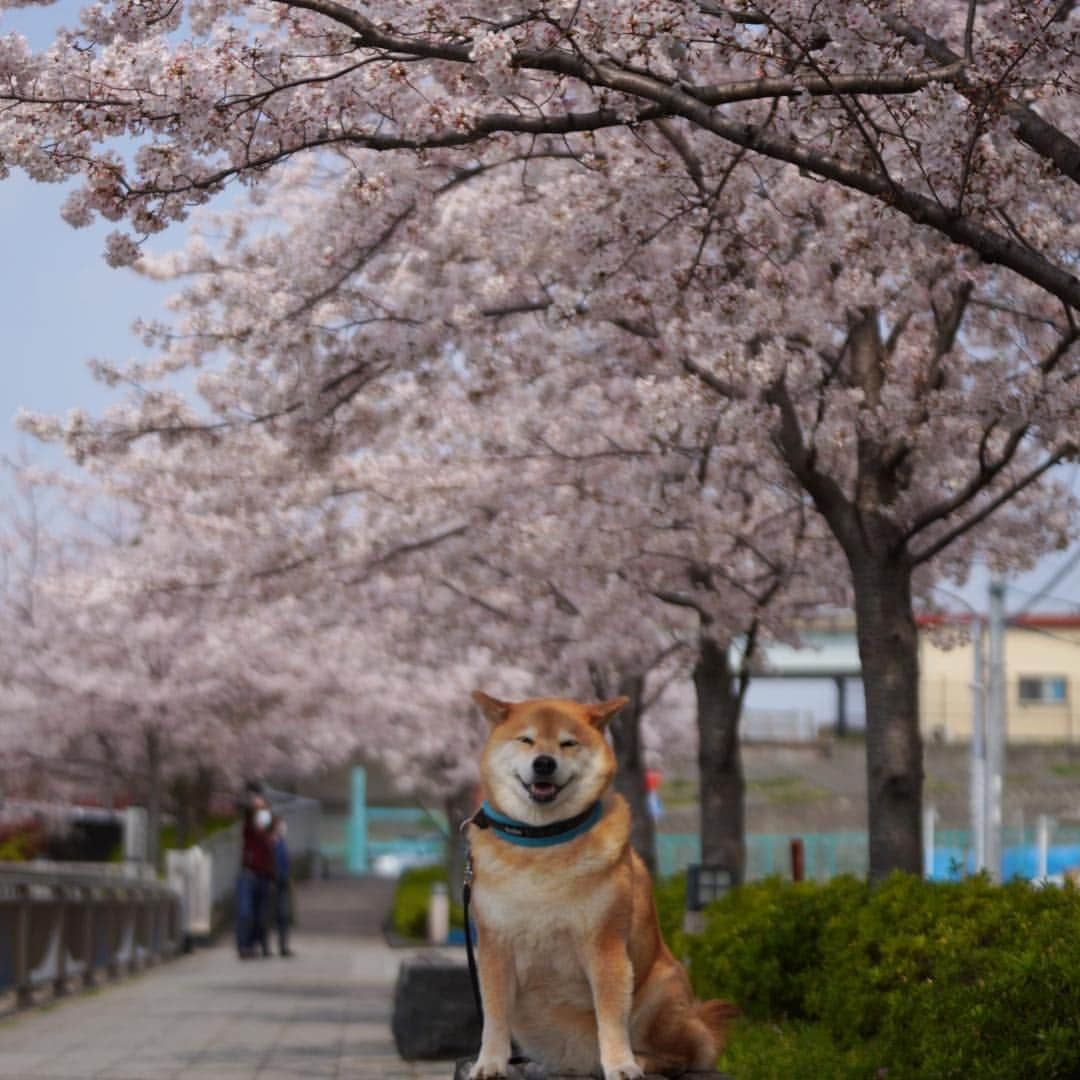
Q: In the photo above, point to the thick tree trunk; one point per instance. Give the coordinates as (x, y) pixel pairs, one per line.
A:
(190, 796)
(181, 794)
(153, 798)
(459, 807)
(201, 795)
(889, 655)
(630, 776)
(723, 838)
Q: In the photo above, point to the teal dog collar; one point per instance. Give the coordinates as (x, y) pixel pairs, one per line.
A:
(520, 832)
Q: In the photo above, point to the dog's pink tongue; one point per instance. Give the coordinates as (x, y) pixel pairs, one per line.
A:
(543, 788)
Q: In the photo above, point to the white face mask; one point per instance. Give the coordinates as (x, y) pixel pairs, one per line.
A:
(263, 818)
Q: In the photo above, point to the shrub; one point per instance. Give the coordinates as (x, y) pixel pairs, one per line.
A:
(796, 1051)
(19, 846)
(958, 979)
(905, 979)
(409, 914)
(169, 834)
(762, 944)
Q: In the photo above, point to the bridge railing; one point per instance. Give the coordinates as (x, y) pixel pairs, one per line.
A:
(73, 926)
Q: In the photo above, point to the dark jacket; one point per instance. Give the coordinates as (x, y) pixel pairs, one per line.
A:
(258, 855)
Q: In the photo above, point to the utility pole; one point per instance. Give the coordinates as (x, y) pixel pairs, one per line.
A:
(995, 729)
(978, 743)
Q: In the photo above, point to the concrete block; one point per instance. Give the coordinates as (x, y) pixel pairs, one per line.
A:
(434, 1012)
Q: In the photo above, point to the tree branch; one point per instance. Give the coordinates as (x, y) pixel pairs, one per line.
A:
(668, 99)
(1036, 133)
(939, 545)
(827, 494)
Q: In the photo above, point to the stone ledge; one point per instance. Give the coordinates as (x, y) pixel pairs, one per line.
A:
(533, 1072)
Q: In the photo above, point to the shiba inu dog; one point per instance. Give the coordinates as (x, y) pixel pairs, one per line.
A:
(570, 956)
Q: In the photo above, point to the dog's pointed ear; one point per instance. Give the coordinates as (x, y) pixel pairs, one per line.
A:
(601, 715)
(495, 711)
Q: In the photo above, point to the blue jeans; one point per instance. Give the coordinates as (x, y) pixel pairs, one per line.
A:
(252, 893)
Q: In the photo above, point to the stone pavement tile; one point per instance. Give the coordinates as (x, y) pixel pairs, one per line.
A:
(394, 1069)
(213, 1072)
(209, 1016)
(137, 1071)
(21, 1065)
(83, 1065)
(369, 1067)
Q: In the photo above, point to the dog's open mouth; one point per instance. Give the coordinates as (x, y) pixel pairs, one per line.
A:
(541, 791)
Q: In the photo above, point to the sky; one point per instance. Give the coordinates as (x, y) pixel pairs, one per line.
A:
(61, 304)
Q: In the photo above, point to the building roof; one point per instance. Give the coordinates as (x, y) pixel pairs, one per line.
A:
(1032, 620)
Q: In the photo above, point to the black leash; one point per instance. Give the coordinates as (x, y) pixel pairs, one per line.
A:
(466, 896)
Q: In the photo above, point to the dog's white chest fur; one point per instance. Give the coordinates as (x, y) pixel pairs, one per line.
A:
(528, 910)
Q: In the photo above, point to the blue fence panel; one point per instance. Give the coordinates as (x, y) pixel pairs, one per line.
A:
(676, 851)
(416, 836)
(767, 854)
(828, 855)
(407, 815)
(954, 856)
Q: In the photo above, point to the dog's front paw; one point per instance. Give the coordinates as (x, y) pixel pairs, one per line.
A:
(489, 1068)
(630, 1071)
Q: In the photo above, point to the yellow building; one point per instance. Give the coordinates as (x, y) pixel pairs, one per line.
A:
(1042, 679)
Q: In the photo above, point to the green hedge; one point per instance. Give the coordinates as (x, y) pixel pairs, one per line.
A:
(409, 914)
(915, 978)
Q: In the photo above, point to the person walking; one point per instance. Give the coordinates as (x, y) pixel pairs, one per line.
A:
(256, 874)
(283, 892)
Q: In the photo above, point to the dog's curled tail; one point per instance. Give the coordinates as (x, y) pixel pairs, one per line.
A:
(718, 1017)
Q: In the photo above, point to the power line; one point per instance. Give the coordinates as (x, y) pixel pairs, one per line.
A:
(1045, 633)
(1060, 574)
(1068, 602)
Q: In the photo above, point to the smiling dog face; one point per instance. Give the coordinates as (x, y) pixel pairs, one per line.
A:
(546, 759)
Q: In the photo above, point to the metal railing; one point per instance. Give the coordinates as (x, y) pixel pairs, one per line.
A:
(63, 928)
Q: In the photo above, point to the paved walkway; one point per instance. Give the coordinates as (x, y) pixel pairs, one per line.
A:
(323, 1013)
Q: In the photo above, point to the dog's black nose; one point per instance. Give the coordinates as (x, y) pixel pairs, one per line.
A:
(544, 765)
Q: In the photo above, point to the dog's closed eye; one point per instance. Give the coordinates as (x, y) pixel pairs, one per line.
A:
(525, 739)
(567, 743)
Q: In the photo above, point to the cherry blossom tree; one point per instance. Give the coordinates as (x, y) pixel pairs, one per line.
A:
(925, 114)
(967, 385)
(842, 234)
(115, 677)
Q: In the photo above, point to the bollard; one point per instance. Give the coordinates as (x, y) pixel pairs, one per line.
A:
(114, 931)
(1043, 825)
(438, 914)
(60, 894)
(89, 957)
(23, 989)
(798, 863)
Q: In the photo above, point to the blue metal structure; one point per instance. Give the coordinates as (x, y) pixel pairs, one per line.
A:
(356, 843)
(379, 836)
(828, 855)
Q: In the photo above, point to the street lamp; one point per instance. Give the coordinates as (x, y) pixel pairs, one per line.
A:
(705, 883)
